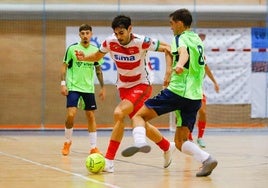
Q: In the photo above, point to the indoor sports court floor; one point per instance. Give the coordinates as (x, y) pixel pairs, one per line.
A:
(31, 159)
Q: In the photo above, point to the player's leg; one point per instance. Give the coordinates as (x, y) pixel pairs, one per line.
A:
(190, 148)
(68, 131)
(190, 137)
(144, 115)
(201, 124)
(179, 122)
(124, 108)
(139, 132)
(90, 106)
(137, 95)
(92, 131)
(131, 100)
(165, 145)
(72, 101)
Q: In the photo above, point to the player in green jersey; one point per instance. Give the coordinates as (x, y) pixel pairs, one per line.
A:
(202, 117)
(183, 93)
(77, 84)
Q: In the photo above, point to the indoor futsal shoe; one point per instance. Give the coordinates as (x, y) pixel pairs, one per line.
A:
(201, 143)
(66, 148)
(94, 150)
(168, 154)
(207, 168)
(109, 166)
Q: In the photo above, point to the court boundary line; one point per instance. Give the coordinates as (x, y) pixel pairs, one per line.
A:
(57, 169)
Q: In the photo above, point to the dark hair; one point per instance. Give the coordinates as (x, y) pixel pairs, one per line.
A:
(121, 21)
(85, 27)
(183, 15)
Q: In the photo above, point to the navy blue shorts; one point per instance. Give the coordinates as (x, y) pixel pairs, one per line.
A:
(167, 101)
(88, 99)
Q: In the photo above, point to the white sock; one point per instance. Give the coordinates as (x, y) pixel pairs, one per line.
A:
(68, 134)
(109, 162)
(92, 139)
(139, 135)
(192, 149)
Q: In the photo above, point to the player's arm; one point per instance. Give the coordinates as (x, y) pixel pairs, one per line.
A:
(100, 79)
(168, 57)
(64, 90)
(94, 57)
(211, 77)
(183, 58)
(163, 47)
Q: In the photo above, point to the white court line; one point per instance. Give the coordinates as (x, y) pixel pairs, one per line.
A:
(59, 170)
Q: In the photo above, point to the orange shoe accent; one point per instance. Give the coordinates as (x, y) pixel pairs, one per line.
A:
(66, 148)
(95, 150)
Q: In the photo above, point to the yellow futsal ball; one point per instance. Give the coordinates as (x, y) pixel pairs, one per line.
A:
(95, 163)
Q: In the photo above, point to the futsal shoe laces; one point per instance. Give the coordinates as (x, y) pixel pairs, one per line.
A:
(109, 166)
(168, 154)
(207, 168)
(144, 148)
(66, 148)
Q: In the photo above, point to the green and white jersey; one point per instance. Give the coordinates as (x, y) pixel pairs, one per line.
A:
(189, 83)
(80, 74)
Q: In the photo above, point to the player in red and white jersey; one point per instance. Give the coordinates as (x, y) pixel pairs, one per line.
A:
(131, 59)
(129, 52)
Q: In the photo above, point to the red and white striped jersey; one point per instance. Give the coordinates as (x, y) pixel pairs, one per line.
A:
(131, 60)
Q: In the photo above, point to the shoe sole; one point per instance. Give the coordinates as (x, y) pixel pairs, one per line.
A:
(211, 168)
(134, 149)
(168, 164)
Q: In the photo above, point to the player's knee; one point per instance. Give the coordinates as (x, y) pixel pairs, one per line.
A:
(90, 114)
(118, 114)
(71, 113)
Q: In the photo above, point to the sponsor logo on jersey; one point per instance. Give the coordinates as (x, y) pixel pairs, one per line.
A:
(124, 58)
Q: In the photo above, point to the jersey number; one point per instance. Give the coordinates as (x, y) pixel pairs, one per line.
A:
(201, 60)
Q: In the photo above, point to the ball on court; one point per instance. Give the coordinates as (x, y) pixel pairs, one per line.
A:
(95, 163)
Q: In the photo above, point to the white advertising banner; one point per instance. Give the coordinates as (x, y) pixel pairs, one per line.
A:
(228, 54)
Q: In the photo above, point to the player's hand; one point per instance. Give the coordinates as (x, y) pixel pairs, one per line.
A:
(102, 94)
(64, 90)
(178, 69)
(166, 81)
(217, 88)
(79, 55)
